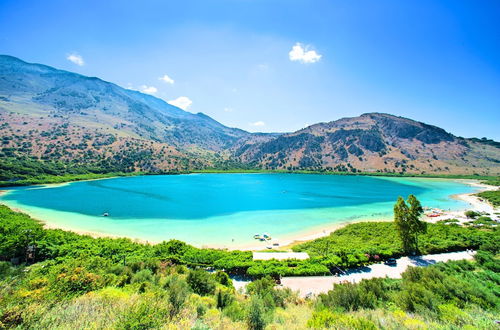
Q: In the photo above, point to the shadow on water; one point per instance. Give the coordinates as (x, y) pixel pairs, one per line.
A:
(130, 191)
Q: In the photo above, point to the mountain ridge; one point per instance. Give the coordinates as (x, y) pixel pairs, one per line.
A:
(50, 114)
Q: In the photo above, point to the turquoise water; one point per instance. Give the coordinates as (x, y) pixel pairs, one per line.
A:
(224, 209)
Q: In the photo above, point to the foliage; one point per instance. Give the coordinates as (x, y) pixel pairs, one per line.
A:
(407, 220)
(471, 214)
(359, 243)
(256, 318)
(492, 196)
(178, 291)
(201, 282)
(83, 282)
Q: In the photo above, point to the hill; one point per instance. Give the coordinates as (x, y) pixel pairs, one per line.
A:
(375, 142)
(50, 115)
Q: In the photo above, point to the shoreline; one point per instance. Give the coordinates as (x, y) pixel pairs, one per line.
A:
(293, 239)
(262, 171)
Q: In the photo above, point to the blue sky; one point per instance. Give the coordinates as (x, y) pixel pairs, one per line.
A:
(434, 61)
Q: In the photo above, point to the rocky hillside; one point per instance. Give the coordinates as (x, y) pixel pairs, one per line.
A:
(374, 142)
(34, 89)
(53, 115)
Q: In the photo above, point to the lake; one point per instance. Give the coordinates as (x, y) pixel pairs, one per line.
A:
(225, 210)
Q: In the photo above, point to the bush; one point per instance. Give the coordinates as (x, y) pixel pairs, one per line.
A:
(326, 319)
(142, 276)
(471, 214)
(256, 318)
(201, 282)
(178, 291)
(224, 298)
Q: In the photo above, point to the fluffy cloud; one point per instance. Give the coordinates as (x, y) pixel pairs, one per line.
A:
(75, 58)
(301, 53)
(258, 124)
(148, 89)
(182, 102)
(167, 79)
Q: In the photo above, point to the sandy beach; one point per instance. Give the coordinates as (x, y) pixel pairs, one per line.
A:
(475, 203)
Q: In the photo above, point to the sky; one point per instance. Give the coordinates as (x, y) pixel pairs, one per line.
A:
(279, 66)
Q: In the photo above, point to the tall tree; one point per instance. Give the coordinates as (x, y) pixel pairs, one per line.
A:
(401, 221)
(416, 225)
(407, 220)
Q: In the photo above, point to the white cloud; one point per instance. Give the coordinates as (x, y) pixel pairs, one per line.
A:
(228, 109)
(182, 102)
(258, 124)
(167, 79)
(301, 53)
(148, 89)
(75, 58)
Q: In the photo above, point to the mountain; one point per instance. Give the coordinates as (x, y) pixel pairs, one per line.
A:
(51, 115)
(374, 142)
(83, 100)
(58, 115)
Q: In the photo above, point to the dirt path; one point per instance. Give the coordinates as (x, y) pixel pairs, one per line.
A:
(320, 284)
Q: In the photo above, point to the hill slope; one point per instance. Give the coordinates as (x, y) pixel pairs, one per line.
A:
(374, 142)
(83, 100)
(53, 115)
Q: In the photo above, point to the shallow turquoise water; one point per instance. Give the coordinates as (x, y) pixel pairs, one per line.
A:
(225, 209)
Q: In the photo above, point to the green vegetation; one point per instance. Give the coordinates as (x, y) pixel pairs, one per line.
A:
(22, 172)
(75, 281)
(373, 241)
(407, 220)
(492, 196)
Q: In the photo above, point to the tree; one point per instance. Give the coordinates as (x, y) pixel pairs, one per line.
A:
(416, 226)
(256, 315)
(407, 220)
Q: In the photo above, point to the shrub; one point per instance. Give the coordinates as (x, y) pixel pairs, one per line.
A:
(142, 276)
(223, 279)
(224, 298)
(471, 214)
(256, 318)
(450, 313)
(326, 319)
(322, 319)
(178, 291)
(201, 282)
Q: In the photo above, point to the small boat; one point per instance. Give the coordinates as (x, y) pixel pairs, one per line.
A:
(105, 214)
(256, 236)
(269, 247)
